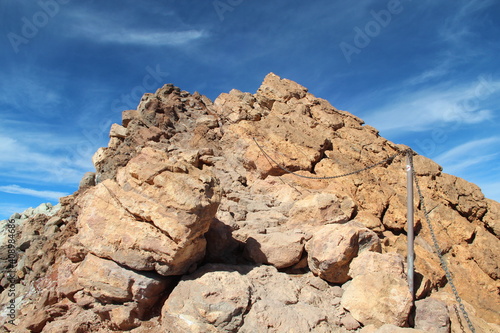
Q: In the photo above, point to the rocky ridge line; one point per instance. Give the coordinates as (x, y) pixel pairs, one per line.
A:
(184, 203)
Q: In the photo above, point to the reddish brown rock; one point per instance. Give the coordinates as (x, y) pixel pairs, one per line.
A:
(171, 203)
(181, 168)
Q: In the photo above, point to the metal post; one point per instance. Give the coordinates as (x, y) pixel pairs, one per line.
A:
(409, 217)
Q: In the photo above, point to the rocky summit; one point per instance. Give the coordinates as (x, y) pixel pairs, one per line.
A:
(200, 217)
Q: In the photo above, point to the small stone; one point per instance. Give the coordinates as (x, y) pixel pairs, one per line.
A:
(118, 131)
(349, 322)
(432, 316)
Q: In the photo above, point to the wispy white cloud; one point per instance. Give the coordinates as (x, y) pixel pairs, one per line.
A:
(29, 89)
(15, 189)
(150, 38)
(94, 26)
(466, 155)
(444, 103)
(22, 160)
(459, 25)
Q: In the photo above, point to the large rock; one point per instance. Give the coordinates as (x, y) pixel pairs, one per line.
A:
(378, 293)
(431, 315)
(280, 249)
(224, 298)
(210, 302)
(153, 217)
(333, 246)
(157, 188)
(108, 282)
(322, 208)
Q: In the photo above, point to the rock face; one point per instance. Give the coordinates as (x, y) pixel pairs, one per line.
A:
(379, 282)
(188, 224)
(153, 217)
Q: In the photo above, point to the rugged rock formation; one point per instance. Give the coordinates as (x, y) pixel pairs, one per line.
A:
(188, 226)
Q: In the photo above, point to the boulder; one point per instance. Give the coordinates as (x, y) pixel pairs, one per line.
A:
(211, 302)
(108, 282)
(118, 219)
(331, 250)
(230, 298)
(378, 293)
(431, 315)
(280, 249)
(322, 208)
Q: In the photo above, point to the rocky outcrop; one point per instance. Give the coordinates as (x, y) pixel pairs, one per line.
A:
(190, 225)
(379, 282)
(153, 217)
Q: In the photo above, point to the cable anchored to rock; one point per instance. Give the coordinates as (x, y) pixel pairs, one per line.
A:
(411, 169)
(390, 158)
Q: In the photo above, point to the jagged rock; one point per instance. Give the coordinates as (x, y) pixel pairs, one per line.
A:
(322, 208)
(118, 131)
(107, 282)
(492, 217)
(431, 315)
(183, 182)
(333, 246)
(389, 328)
(378, 293)
(331, 250)
(208, 302)
(217, 297)
(280, 249)
(119, 220)
(349, 322)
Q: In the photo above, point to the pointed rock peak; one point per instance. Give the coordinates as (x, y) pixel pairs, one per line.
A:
(278, 89)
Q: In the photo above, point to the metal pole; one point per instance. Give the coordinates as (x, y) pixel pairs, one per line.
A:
(409, 217)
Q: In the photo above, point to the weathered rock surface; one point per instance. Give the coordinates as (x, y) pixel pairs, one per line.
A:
(378, 293)
(183, 192)
(153, 217)
(431, 315)
(222, 298)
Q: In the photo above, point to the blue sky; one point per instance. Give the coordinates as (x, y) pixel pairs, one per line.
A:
(425, 73)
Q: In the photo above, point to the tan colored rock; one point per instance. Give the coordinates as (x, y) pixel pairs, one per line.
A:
(389, 328)
(107, 282)
(268, 315)
(119, 220)
(124, 317)
(129, 115)
(223, 298)
(486, 250)
(237, 106)
(118, 131)
(372, 262)
(210, 302)
(370, 221)
(280, 249)
(492, 217)
(480, 325)
(378, 294)
(331, 250)
(278, 89)
(322, 208)
(158, 189)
